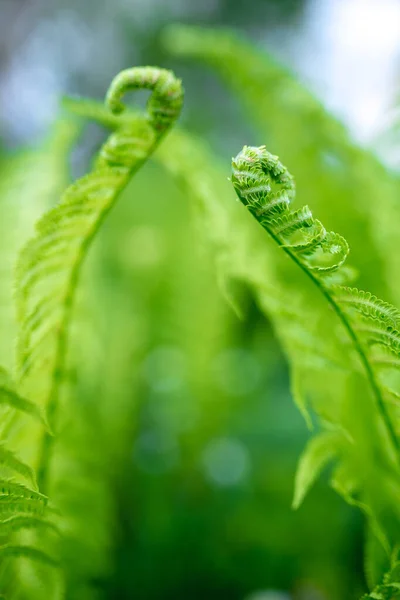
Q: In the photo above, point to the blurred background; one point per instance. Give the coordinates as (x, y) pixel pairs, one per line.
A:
(347, 51)
(198, 401)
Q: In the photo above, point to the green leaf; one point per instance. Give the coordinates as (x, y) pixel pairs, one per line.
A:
(15, 551)
(319, 452)
(10, 460)
(14, 400)
(23, 521)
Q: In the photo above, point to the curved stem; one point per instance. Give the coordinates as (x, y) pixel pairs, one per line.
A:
(163, 108)
(357, 344)
(60, 359)
(47, 442)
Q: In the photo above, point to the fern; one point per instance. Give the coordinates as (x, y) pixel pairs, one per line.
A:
(390, 588)
(369, 322)
(334, 366)
(317, 255)
(49, 265)
(320, 451)
(30, 180)
(47, 276)
(10, 398)
(334, 356)
(316, 145)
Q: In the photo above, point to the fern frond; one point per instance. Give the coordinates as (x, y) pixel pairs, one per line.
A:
(49, 265)
(10, 460)
(23, 521)
(10, 398)
(331, 250)
(320, 450)
(12, 490)
(30, 181)
(321, 151)
(46, 279)
(369, 305)
(18, 505)
(369, 325)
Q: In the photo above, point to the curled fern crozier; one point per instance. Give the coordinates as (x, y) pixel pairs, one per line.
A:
(47, 276)
(267, 189)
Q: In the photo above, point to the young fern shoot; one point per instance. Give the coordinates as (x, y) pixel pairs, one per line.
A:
(50, 264)
(47, 276)
(266, 189)
(373, 325)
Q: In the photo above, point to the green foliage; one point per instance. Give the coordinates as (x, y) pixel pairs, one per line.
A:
(367, 320)
(356, 190)
(318, 253)
(80, 399)
(339, 180)
(349, 393)
(30, 181)
(320, 451)
(47, 276)
(390, 588)
(310, 334)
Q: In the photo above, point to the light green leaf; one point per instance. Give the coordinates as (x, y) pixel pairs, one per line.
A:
(319, 452)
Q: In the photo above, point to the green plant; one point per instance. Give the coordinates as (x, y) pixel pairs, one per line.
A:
(40, 174)
(48, 273)
(339, 179)
(342, 344)
(266, 188)
(360, 417)
(390, 588)
(344, 361)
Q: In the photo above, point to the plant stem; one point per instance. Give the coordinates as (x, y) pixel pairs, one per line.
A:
(47, 442)
(357, 344)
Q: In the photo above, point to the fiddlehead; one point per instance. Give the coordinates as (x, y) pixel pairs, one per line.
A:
(50, 264)
(266, 188)
(165, 102)
(321, 152)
